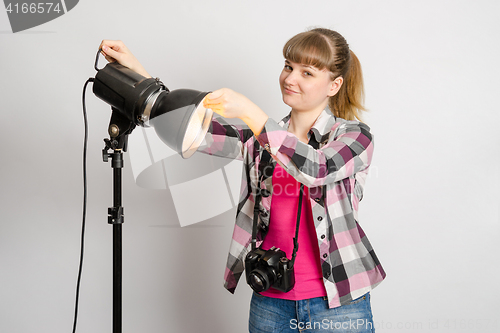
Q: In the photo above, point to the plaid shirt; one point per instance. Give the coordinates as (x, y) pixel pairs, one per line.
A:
(335, 173)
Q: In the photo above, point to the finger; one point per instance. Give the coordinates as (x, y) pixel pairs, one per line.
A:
(108, 58)
(219, 111)
(104, 45)
(207, 104)
(216, 95)
(114, 44)
(109, 52)
(214, 106)
(207, 101)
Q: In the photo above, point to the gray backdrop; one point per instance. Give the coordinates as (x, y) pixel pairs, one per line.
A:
(431, 201)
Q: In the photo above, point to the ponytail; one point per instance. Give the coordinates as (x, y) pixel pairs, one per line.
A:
(348, 102)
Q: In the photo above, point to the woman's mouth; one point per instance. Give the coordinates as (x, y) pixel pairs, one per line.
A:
(289, 91)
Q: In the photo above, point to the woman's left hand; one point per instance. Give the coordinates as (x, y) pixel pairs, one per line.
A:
(230, 104)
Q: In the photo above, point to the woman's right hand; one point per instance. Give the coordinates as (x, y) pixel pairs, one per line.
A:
(230, 104)
(115, 50)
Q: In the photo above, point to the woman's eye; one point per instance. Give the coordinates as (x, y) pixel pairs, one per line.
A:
(288, 67)
(307, 74)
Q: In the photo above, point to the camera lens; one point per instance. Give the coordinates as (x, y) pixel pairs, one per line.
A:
(257, 282)
(260, 280)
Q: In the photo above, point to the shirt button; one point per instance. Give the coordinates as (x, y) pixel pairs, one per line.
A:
(327, 275)
(317, 199)
(320, 218)
(325, 255)
(323, 236)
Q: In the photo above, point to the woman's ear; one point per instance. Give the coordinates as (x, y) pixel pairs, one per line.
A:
(335, 86)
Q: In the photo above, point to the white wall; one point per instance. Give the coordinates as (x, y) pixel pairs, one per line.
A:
(430, 207)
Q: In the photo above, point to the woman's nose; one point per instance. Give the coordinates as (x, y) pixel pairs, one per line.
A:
(291, 79)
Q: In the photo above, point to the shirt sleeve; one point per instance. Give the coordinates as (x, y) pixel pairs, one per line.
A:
(348, 151)
(225, 140)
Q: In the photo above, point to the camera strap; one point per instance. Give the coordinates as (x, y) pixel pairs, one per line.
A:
(296, 238)
(260, 192)
(315, 144)
(264, 163)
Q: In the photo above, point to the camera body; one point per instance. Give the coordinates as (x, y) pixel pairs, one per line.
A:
(269, 268)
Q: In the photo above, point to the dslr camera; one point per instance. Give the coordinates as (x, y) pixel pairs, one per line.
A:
(269, 268)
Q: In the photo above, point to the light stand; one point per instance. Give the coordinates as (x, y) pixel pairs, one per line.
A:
(116, 219)
(117, 144)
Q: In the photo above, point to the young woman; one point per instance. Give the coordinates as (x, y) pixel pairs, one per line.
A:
(321, 145)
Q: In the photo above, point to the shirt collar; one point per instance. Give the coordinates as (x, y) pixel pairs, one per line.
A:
(322, 125)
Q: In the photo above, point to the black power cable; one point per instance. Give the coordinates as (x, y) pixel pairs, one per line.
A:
(82, 241)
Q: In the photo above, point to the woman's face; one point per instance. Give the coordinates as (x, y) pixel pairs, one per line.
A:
(306, 88)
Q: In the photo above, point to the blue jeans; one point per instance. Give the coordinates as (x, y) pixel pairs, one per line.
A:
(311, 315)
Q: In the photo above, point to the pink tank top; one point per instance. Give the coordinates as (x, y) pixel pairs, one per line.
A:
(283, 219)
